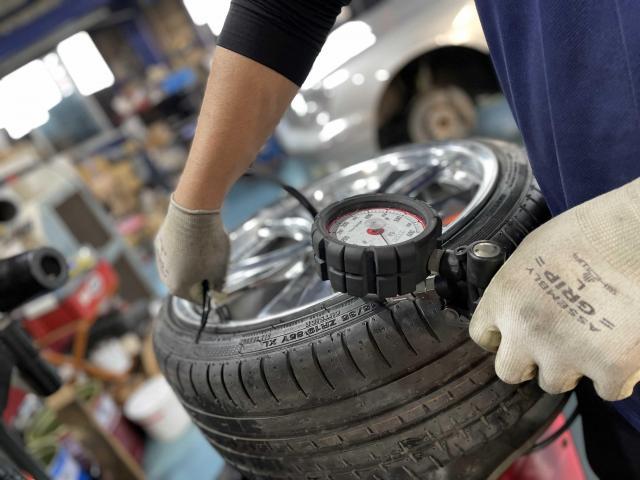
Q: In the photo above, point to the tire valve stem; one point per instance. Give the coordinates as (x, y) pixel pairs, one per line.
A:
(206, 308)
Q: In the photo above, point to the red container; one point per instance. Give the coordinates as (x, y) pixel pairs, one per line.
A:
(83, 303)
(559, 461)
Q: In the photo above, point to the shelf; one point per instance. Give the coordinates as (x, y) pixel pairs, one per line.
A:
(16, 167)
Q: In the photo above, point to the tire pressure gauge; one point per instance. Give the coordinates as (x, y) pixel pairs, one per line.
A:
(385, 245)
(375, 244)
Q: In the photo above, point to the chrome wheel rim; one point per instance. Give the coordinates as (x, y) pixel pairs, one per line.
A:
(272, 276)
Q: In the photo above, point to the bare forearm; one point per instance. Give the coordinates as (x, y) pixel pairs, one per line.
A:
(243, 102)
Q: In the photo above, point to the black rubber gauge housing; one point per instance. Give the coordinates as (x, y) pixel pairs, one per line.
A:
(381, 270)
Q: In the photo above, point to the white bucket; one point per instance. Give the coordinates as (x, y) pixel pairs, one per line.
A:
(110, 355)
(154, 406)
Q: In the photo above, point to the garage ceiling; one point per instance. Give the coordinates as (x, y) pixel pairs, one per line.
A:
(29, 28)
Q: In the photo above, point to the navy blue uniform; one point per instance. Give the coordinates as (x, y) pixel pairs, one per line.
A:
(570, 70)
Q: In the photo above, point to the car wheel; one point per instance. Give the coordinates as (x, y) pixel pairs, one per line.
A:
(435, 97)
(292, 381)
(441, 114)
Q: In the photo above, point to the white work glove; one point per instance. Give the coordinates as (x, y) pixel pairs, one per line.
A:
(567, 302)
(191, 246)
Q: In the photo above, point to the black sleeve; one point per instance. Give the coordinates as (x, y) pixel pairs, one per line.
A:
(284, 35)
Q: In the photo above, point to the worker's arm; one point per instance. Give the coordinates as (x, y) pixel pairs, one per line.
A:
(243, 102)
(266, 50)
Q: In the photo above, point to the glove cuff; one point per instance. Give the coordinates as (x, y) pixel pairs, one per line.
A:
(611, 223)
(194, 227)
(188, 211)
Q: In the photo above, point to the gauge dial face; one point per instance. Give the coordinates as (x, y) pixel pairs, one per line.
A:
(377, 226)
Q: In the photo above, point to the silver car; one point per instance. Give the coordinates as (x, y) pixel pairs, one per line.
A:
(402, 71)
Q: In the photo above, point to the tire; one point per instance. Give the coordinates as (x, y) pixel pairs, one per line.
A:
(354, 389)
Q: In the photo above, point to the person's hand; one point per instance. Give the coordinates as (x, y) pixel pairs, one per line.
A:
(567, 303)
(191, 246)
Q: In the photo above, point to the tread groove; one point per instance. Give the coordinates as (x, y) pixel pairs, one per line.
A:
(350, 356)
(396, 324)
(509, 237)
(376, 347)
(410, 473)
(224, 386)
(209, 383)
(263, 374)
(193, 385)
(535, 200)
(178, 376)
(425, 321)
(293, 374)
(530, 215)
(524, 230)
(242, 384)
(314, 354)
(165, 363)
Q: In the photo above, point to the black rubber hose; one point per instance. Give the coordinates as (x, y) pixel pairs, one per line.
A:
(29, 275)
(557, 434)
(295, 193)
(8, 210)
(40, 375)
(17, 453)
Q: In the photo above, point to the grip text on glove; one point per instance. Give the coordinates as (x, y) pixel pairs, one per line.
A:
(567, 297)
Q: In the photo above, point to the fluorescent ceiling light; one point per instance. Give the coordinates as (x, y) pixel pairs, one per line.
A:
(32, 84)
(344, 43)
(86, 66)
(197, 10)
(28, 121)
(58, 73)
(207, 12)
(26, 95)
